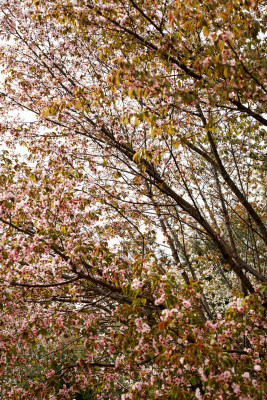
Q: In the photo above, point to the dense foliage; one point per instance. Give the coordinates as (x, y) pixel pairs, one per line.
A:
(132, 200)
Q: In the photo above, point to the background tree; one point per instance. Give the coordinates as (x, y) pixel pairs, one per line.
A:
(148, 118)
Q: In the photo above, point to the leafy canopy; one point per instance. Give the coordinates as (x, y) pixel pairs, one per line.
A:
(132, 201)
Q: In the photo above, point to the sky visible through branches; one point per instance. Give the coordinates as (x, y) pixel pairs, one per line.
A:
(133, 199)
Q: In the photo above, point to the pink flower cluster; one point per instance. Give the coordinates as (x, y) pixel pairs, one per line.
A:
(226, 35)
(142, 326)
(137, 284)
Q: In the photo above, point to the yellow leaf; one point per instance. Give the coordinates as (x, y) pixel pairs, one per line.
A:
(63, 229)
(153, 132)
(135, 156)
(33, 178)
(78, 104)
(45, 112)
(139, 93)
(136, 121)
(221, 45)
(205, 30)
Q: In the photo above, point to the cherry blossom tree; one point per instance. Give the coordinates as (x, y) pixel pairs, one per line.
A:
(132, 208)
